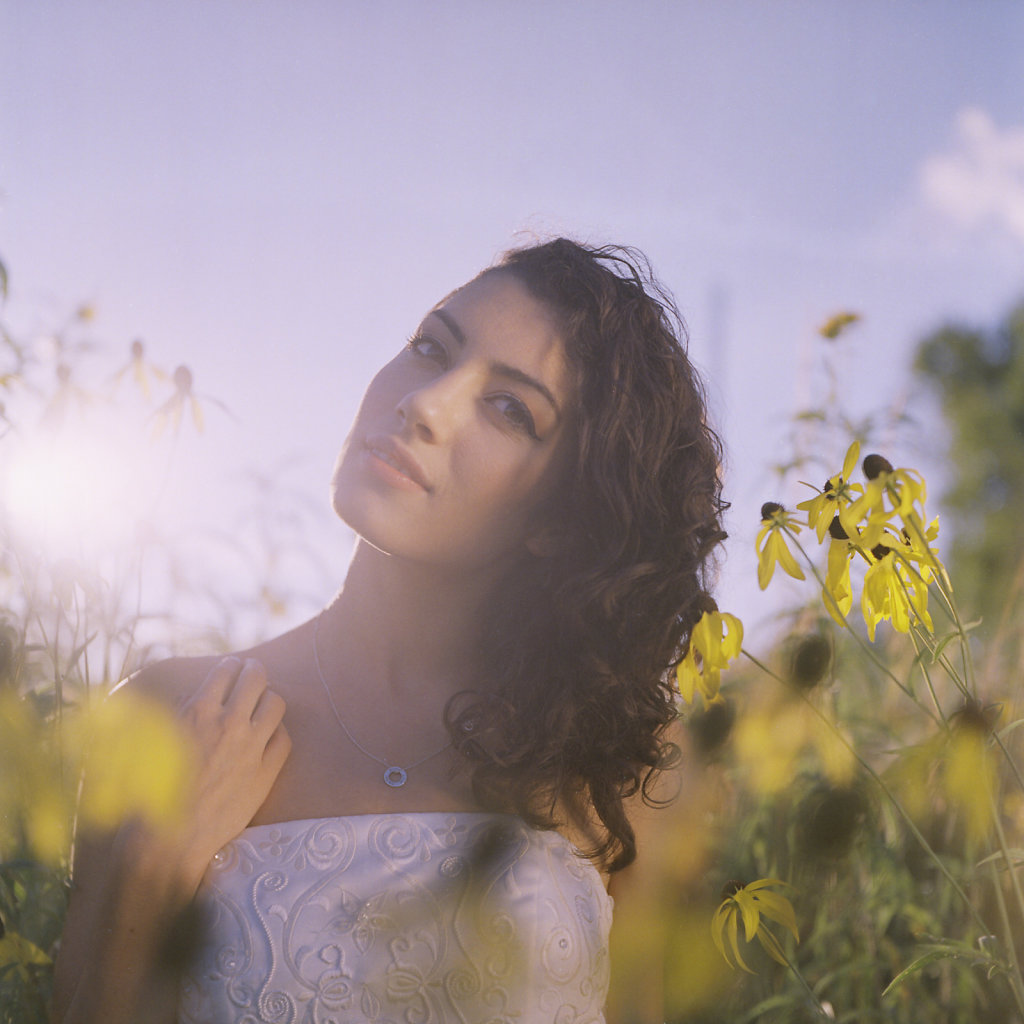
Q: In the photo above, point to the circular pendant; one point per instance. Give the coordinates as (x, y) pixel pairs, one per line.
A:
(395, 777)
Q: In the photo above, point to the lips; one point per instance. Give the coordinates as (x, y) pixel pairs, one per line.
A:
(393, 454)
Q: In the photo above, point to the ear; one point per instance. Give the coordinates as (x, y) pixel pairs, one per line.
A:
(545, 542)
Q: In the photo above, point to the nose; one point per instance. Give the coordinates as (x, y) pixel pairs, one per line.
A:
(430, 412)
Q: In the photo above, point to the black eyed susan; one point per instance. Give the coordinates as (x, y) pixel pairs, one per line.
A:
(777, 524)
(755, 904)
(835, 498)
(714, 642)
(892, 593)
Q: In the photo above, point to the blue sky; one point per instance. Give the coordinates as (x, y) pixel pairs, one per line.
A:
(273, 193)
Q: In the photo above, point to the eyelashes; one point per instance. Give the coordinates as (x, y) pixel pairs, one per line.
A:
(513, 410)
(429, 348)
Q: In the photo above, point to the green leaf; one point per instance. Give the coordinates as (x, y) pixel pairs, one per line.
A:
(1016, 855)
(946, 951)
(1006, 730)
(942, 645)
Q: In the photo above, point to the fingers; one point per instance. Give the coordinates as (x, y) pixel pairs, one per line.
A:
(277, 750)
(237, 691)
(269, 712)
(220, 680)
(249, 687)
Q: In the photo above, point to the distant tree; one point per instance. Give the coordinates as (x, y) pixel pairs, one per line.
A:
(978, 376)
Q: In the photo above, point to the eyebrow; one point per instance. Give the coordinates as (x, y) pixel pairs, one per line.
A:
(504, 369)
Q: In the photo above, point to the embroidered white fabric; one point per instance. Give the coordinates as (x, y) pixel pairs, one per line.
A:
(426, 918)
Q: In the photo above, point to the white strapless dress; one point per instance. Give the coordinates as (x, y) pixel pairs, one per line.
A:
(425, 918)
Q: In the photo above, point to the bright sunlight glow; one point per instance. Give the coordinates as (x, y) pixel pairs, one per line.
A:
(73, 491)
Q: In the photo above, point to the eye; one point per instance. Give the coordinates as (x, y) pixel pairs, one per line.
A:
(428, 348)
(516, 413)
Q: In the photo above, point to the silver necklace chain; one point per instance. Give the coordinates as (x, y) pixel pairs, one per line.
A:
(394, 775)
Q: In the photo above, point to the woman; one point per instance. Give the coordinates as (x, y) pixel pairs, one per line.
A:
(390, 801)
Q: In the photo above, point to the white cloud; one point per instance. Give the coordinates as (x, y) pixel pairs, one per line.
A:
(979, 182)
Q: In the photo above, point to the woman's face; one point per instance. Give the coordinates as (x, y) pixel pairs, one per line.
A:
(464, 434)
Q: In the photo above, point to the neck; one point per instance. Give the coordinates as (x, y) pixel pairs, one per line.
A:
(408, 626)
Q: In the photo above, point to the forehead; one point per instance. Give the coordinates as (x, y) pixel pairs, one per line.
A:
(499, 316)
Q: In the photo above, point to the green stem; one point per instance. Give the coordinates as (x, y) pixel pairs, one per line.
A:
(807, 988)
(881, 783)
(1014, 879)
(862, 643)
(927, 677)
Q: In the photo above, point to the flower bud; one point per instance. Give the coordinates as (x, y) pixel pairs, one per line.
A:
(828, 820)
(183, 379)
(769, 508)
(710, 727)
(810, 661)
(972, 717)
(874, 465)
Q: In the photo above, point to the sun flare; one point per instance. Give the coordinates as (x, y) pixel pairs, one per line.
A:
(73, 492)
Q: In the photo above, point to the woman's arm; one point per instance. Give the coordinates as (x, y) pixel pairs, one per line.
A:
(131, 888)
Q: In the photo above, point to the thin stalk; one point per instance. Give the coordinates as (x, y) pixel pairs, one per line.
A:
(928, 678)
(862, 643)
(942, 660)
(883, 785)
(803, 981)
(1015, 981)
(1010, 760)
(1018, 893)
(942, 582)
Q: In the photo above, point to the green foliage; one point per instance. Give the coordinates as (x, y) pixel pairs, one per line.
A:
(978, 377)
(879, 775)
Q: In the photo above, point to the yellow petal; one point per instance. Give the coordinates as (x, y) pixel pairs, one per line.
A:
(749, 909)
(851, 459)
(776, 907)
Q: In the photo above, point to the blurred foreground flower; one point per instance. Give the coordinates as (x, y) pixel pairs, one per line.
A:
(129, 747)
(756, 904)
(955, 771)
(714, 642)
(771, 741)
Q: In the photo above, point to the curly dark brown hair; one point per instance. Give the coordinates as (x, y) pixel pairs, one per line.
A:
(582, 643)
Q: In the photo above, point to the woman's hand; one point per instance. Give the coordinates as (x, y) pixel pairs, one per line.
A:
(236, 724)
(128, 885)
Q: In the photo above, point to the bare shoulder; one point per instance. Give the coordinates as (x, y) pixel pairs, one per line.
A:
(173, 681)
(170, 681)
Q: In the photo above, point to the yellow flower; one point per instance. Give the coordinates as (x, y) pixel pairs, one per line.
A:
(904, 489)
(129, 747)
(837, 581)
(837, 495)
(890, 592)
(835, 325)
(714, 642)
(776, 523)
(771, 740)
(955, 770)
(754, 904)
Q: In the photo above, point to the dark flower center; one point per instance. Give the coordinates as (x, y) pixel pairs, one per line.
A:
(875, 465)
